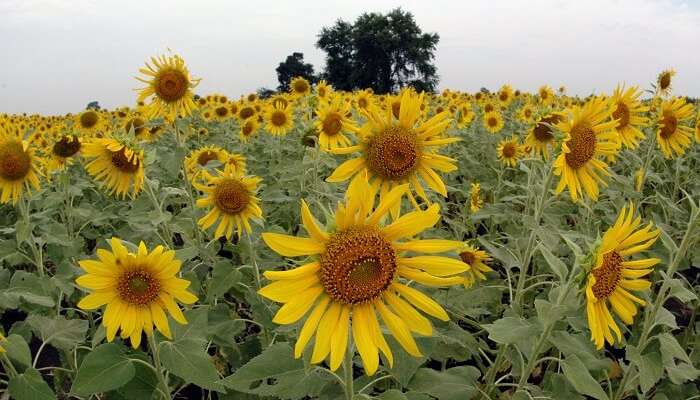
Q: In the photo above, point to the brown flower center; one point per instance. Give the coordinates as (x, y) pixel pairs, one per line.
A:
(206, 156)
(231, 196)
(138, 287)
(89, 119)
(15, 163)
(468, 257)
(171, 85)
(670, 124)
(393, 154)
(221, 111)
(362, 102)
(508, 150)
(358, 265)
(665, 81)
(488, 108)
(582, 145)
(247, 129)
(246, 112)
(121, 162)
(492, 121)
(67, 146)
(332, 124)
(301, 86)
(503, 96)
(608, 275)
(278, 118)
(622, 113)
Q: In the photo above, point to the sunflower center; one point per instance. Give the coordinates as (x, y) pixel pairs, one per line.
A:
(492, 121)
(66, 147)
(122, 162)
(221, 111)
(508, 150)
(393, 153)
(670, 124)
(88, 119)
(527, 113)
(278, 118)
(332, 124)
(247, 112)
(205, 157)
(172, 85)
(665, 81)
(321, 92)
(358, 265)
(362, 102)
(301, 86)
(542, 132)
(467, 257)
(247, 129)
(582, 146)
(138, 287)
(622, 113)
(503, 96)
(231, 196)
(488, 108)
(14, 161)
(608, 275)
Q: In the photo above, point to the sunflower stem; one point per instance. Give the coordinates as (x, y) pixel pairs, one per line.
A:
(36, 250)
(68, 199)
(159, 368)
(161, 216)
(7, 364)
(347, 374)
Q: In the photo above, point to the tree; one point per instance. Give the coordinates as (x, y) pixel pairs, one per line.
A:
(93, 105)
(383, 51)
(292, 67)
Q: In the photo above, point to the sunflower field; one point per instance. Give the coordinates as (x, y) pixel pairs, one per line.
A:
(322, 244)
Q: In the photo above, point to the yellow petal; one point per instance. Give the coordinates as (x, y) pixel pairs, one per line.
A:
(295, 273)
(398, 328)
(421, 301)
(435, 265)
(292, 246)
(310, 326)
(296, 308)
(412, 223)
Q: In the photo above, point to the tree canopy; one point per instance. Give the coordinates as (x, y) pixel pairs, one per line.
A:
(292, 67)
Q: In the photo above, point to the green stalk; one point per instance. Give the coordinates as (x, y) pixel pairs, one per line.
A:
(347, 374)
(159, 368)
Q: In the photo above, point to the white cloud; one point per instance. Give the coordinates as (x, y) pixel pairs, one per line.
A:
(59, 55)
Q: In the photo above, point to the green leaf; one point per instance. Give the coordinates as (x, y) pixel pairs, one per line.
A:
(453, 384)
(187, 359)
(275, 372)
(558, 266)
(28, 287)
(649, 365)
(581, 379)
(547, 312)
(59, 332)
(30, 386)
(670, 351)
(224, 276)
(142, 385)
(18, 350)
(510, 330)
(103, 369)
(393, 394)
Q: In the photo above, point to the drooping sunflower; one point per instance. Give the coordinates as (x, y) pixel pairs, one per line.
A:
(118, 165)
(20, 167)
(395, 151)
(628, 112)
(475, 200)
(249, 128)
(673, 137)
(197, 160)
(663, 82)
(477, 259)
(279, 119)
(331, 123)
(493, 121)
(589, 136)
(63, 152)
(541, 137)
(169, 85)
(614, 275)
(510, 151)
(359, 269)
(299, 87)
(230, 198)
(137, 289)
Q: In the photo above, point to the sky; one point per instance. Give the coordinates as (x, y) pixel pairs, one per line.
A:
(58, 55)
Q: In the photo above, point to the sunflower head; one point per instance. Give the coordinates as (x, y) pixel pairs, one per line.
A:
(299, 86)
(493, 121)
(169, 86)
(477, 259)
(475, 200)
(673, 135)
(663, 82)
(509, 151)
(279, 119)
(117, 163)
(19, 167)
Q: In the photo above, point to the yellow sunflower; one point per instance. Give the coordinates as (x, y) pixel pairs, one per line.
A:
(197, 160)
(331, 123)
(247, 112)
(475, 200)
(614, 275)
(526, 114)
(589, 136)
(477, 259)
(628, 112)
(663, 82)
(546, 94)
(63, 152)
(359, 269)
(541, 136)
(116, 165)
(395, 151)
(299, 87)
(465, 116)
(19, 166)
(364, 99)
(230, 198)
(90, 123)
(493, 121)
(249, 128)
(510, 151)
(505, 95)
(673, 137)
(323, 90)
(137, 289)
(169, 85)
(279, 119)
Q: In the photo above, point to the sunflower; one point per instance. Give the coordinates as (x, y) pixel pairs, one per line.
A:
(63, 152)
(396, 151)
(197, 160)
(279, 119)
(614, 275)
(230, 197)
(359, 269)
(505, 95)
(589, 135)
(137, 289)
(526, 114)
(475, 200)
(546, 94)
(222, 112)
(672, 136)
(331, 123)
(323, 90)
(493, 121)
(117, 165)
(541, 137)
(364, 100)
(663, 82)
(477, 259)
(299, 87)
(249, 128)
(465, 116)
(697, 128)
(19, 166)
(509, 151)
(628, 112)
(90, 123)
(237, 162)
(247, 111)
(169, 85)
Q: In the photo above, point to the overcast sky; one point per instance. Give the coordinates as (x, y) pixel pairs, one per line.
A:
(58, 55)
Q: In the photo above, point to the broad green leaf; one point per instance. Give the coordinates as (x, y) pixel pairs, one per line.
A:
(649, 365)
(18, 350)
(581, 379)
(393, 394)
(187, 359)
(224, 276)
(510, 330)
(30, 386)
(59, 332)
(453, 384)
(27, 287)
(555, 264)
(103, 369)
